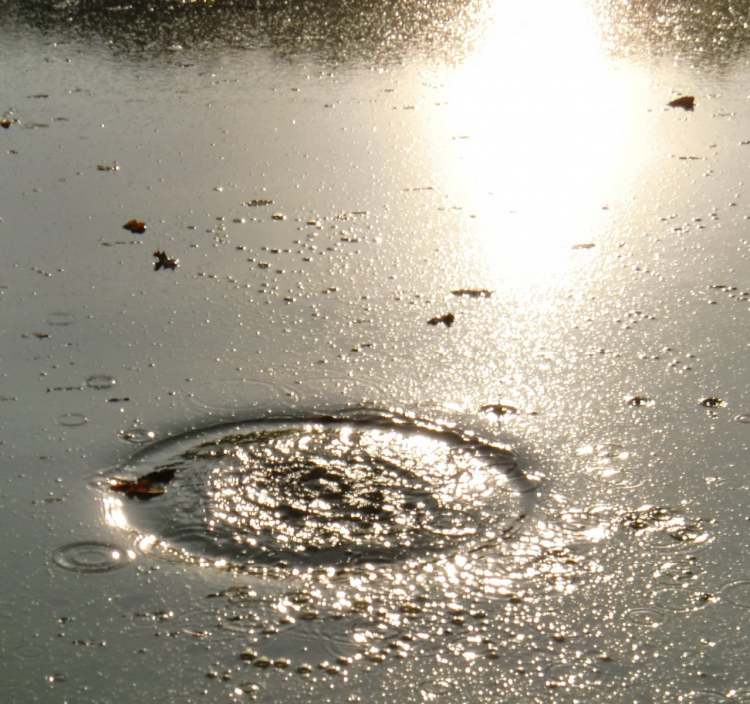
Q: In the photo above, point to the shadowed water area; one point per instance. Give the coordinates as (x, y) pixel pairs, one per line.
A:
(369, 352)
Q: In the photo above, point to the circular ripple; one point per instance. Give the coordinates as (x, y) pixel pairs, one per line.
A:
(137, 436)
(72, 420)
(324, 490)
(646, 617)
(232, 394)
(737, 593)
(91, 557)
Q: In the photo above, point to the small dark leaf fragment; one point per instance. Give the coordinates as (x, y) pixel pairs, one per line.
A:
(637, 401)
(446, 320)
(473, 292)
(686, 102)
(163, 261)
(257, 202)
(712, 402)
(137, 227)
(500, 409)
(146, 487)
(136, 489)
(114, 166)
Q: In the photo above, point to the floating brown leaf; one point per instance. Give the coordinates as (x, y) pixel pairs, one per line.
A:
(257, 202)
(114, 166)
(473, 292)
(146, 487)
(712, 402)
(686, 102)
(584, 245)
(164, 262)
(6, 122)
(136, 226)
(446, 320)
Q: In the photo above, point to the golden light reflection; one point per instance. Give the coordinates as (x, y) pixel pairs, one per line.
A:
(542, 129)
(114, 515)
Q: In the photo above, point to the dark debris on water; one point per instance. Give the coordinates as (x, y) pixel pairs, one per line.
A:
(164, 262)
(639, 401)
(500, 409)
(686, 102)
(137, 227)
(146, 487)
(448, 319)
(473, 292)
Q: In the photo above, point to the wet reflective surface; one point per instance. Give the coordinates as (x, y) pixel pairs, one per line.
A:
(258, 471)
(355, 488)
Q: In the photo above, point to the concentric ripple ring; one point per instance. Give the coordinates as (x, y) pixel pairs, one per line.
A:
(354, 487)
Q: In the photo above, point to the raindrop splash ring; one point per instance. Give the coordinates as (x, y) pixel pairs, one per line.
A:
(332, 489)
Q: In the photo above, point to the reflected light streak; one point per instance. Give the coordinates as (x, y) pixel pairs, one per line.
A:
(541, 130)
(113, 513)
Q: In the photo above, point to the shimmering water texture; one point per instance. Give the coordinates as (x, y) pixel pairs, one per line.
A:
(325, 490)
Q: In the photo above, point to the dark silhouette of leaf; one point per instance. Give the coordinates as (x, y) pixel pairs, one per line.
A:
(146, 487)
(446, 320)
(473, 292)
(686, 102)
(500, 409)
(164, 262)
(638, 401)
(137, 227)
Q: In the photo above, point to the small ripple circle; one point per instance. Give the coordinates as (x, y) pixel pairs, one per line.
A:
(91, 557)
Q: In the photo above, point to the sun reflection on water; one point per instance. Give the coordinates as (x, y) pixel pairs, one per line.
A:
(541, 127)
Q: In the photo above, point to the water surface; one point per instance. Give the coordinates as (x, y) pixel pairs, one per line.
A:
(541, 497)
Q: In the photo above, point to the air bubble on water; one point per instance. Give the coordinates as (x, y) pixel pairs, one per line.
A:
(137, 436)
(100, 381)
(72, 420)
